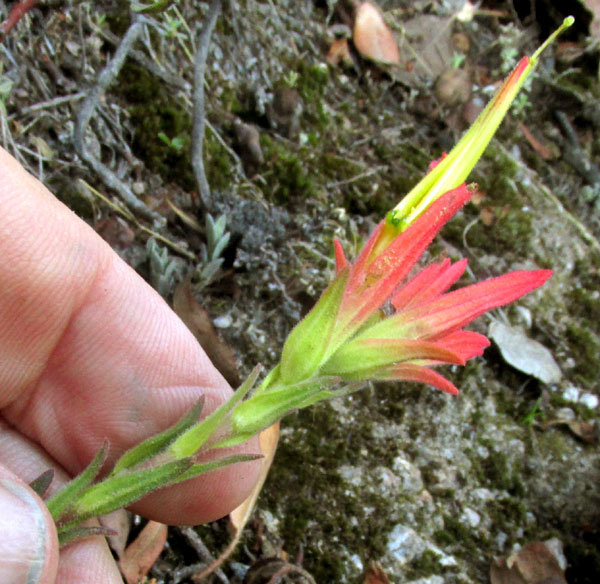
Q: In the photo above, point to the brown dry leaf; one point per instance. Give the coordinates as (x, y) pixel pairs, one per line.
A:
(372, 37)
(238, 518)
(140, 556)
(584, 430)
(375, 575)
(119, 522)
(268, 439)
(594, 7)
(542, 150)
(198, 321)
(426, 39)
(339, 53)
(535, 563)
(185, 218)
(487, 216)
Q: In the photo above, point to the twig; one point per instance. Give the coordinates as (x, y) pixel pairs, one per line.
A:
(290, 569)
(125, 212)
(339, 183)
(194, 540)
(574, 154)
(17, 12)
(106, 77)
(143, 60)
(52, 102)
(199, 121)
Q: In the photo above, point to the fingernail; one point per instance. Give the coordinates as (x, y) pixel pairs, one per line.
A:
(24, 535)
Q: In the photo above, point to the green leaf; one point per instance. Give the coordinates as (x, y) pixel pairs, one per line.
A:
(204, 467)
(158, 6)
(121, 490)
(155, 444)
(307, 344)
(193, 439)
(73, 534)
(260, 411)
(63, 500)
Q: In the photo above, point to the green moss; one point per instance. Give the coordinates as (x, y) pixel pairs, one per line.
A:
(427, 564)
(319, 505)
(287, 174)
(585, 304)
(585, 349)
(153, 111)
(454, 533)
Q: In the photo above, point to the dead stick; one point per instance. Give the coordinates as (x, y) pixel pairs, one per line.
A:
(199, 113)
(106, 77)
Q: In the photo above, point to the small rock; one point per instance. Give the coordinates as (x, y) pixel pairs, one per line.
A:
(471, 517)
(223, 321)
(138, 188)
(565, 415)
(428, 580)
(409, 474)
(571, 394)
(589, 400)
(404, 544)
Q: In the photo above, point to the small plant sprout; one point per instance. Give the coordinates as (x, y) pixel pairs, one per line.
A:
(372, 322)
(176, 143)
(217, 239)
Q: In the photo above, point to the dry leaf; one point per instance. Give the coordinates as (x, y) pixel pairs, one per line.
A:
(524, 353)
(239, 516)
(372, 37)
(426, 39)
(198, 321)
(584, 430)
(140, 556)
(185, 218)
(375, 575)
(42, 147)
(268, 444)
(542, 150)
(487, 215)
(119, 522)
(594, 7)
(339, 52)
(535, 563)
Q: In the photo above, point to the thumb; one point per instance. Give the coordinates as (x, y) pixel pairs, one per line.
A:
(28, 542)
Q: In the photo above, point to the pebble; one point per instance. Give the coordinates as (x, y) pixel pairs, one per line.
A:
(223, 321)
(589, 400)
(571, 394)
(404, 544)
(471, 517)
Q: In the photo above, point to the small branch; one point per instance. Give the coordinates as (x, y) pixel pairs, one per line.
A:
(574, 154)
(199, 113)
(51, 103)
(106, 77)
(17, 12)
(194, 540)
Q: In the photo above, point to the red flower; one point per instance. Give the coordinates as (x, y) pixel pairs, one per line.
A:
(425, 328)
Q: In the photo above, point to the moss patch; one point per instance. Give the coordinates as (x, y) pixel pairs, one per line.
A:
(585, 349)
(154, 111)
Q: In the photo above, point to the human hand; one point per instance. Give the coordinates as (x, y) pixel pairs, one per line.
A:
(88, 352)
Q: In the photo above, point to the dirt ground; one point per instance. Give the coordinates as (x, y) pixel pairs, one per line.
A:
(302, 147)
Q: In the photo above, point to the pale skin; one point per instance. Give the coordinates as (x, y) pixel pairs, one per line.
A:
(88, 352)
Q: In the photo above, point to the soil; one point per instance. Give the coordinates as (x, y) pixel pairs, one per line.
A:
(297, 152)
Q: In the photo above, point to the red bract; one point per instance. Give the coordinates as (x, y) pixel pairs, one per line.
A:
(425, 327)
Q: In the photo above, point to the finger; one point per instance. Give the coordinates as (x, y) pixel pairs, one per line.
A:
(90, 352)
(88, 561)
(28, 546)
